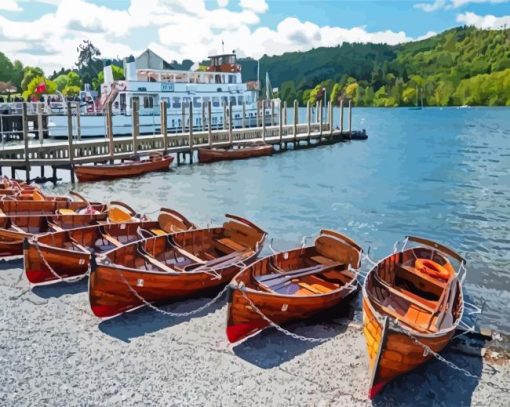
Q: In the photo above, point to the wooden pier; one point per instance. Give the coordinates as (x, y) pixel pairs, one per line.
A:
(65, 155)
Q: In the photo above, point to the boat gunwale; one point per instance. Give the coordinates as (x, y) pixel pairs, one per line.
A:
(395, 324)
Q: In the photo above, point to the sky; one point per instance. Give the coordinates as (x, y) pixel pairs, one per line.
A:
(46, 33)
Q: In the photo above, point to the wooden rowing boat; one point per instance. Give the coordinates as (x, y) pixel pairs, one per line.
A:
(15, 229)
(293, 285)
(13, 206)
(131, 168)
(59, 255)
(164, 268)
(208, 155)
(409, 307)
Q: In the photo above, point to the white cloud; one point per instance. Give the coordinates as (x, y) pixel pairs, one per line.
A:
(451, 4)
(427, 35)
(258, 6)
(222, 3)
(429, 7)
(485, 22)
(175, 29)
(10, 5)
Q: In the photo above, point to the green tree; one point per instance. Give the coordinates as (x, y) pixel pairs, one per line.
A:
(29, 73)
(31, 91)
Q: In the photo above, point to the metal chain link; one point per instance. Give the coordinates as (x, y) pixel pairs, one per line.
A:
(55, 274)
(168, 313)
(278, 327)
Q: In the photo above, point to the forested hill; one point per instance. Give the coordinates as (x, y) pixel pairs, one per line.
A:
(462, 66)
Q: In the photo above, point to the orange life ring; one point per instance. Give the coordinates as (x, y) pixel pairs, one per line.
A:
(433, 269)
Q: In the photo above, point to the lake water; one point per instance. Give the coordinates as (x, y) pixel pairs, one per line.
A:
(439, 173)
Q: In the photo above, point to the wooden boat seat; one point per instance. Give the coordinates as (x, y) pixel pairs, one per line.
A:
(112, 240)
(64, 211)
(321, 260)
(189, 255)
(402, 269)
(405, 295)
(158, 232)
(230, 244)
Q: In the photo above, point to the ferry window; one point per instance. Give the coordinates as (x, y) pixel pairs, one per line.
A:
(179, 122)
(197, 102)
(148, 102)
(231, 79)
(224, 100)
(233, 100)
(176, 102)
(173, 123)
(167, 100)
(205, 100)
(185, 101)
(216, 101)
(240, 100)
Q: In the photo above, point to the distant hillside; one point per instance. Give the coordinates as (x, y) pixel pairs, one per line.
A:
(445, 69)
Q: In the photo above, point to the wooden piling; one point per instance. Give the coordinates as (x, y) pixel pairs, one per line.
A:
(320, 120)
(70, 138)
(40, 130)
(342, 117)
(308, 118)
(280, 127)
(24, 120)
(263, 122)
(78, 121)
(164, 124)
(316, 111)
(209, 129)
(330, 116)
(285, 113)
(272, 113)
(202, 119)
(135, 124)
(190, 136)
(109, 131)
(183, 119)
(224, 115)
(244, 115)
(350, 119)
(229, 117)
(294, 129)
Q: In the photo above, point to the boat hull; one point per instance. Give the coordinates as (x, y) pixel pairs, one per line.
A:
(109, 294)
(243, 320)
(392, 353)
(86, 173)
(208, 155)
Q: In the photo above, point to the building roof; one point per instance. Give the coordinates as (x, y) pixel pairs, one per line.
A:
(150, 60)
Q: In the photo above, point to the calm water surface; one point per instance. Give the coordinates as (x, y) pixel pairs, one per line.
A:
(438, 173)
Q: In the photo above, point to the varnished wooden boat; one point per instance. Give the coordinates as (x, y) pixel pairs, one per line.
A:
(293, 285)
(208, 155)
(15, 229)
(68, 252)
(13, 206)
(164, 268)
(412, 301)
(132, 168)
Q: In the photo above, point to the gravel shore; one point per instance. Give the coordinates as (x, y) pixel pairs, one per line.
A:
(53, 351)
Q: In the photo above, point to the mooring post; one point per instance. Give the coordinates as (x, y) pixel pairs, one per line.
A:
(320, 120)
(244, 114)
(316, 111)
(183, 118)
(224, 115)
(164, 124)
(135, 124)
(109, 130)
(24, 120)
(40, 130)
(263, 121)
(202, 127)
(330, 116)
(190, 137)
(209, 129)
(273, 122)
(285, 113)
(258, 114)
(229, 117)
(70, 138)
(78, 121)
(280, 124)
(309, 119)
(294, 130)
(342, 117)
(350, 119)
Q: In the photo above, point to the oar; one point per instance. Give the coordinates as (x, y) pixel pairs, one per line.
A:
(447, 317)
(268, 277)
(290, 276)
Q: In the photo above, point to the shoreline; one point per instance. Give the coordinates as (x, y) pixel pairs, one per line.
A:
(54, 351)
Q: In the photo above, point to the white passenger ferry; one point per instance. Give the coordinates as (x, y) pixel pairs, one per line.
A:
(151, 80)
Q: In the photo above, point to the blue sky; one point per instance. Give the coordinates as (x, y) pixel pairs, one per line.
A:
(46, 32)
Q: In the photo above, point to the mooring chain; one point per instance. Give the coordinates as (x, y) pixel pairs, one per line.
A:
(278, 327)
(169, 313)
(55, 274)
